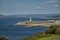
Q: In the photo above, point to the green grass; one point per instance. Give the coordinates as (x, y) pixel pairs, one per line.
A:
(43, 37)
(49, 37)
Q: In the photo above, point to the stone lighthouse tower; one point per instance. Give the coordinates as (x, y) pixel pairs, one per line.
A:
(30, 19)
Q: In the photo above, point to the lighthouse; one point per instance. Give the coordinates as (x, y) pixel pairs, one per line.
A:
(30, 19)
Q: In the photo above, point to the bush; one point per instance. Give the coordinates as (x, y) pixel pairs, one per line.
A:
(57, 31)
(53, 29)
(3, 38)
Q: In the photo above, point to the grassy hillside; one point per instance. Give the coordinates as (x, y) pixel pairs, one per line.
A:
(42, 37)
(53, 33)
(50, 37)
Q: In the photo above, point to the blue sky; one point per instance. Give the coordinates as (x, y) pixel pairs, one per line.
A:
(17, 7)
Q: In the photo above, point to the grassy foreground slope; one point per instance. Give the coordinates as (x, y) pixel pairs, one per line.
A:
(53, 33)
(50, 37)
(43, 37)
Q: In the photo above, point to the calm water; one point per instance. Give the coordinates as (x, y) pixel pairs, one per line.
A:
(17, 32)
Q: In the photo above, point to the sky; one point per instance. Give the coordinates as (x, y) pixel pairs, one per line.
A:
(17, 7)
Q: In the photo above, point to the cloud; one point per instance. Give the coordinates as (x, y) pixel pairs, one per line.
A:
(49, 3)
(52, 1)
(56, 5)
(38, 7)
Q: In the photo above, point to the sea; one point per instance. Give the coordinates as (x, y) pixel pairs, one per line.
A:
(13, 32)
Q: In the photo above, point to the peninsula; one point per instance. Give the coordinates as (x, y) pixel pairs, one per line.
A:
(30, 22)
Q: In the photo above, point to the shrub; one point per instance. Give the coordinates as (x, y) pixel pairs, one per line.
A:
(57, 31)
(53, 29)
(50, 31)
(3, 38)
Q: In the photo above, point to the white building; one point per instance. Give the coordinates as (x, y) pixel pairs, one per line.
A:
(52, 21)
(58, 21)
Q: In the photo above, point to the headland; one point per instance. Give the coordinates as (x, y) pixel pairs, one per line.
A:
(30, 22)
